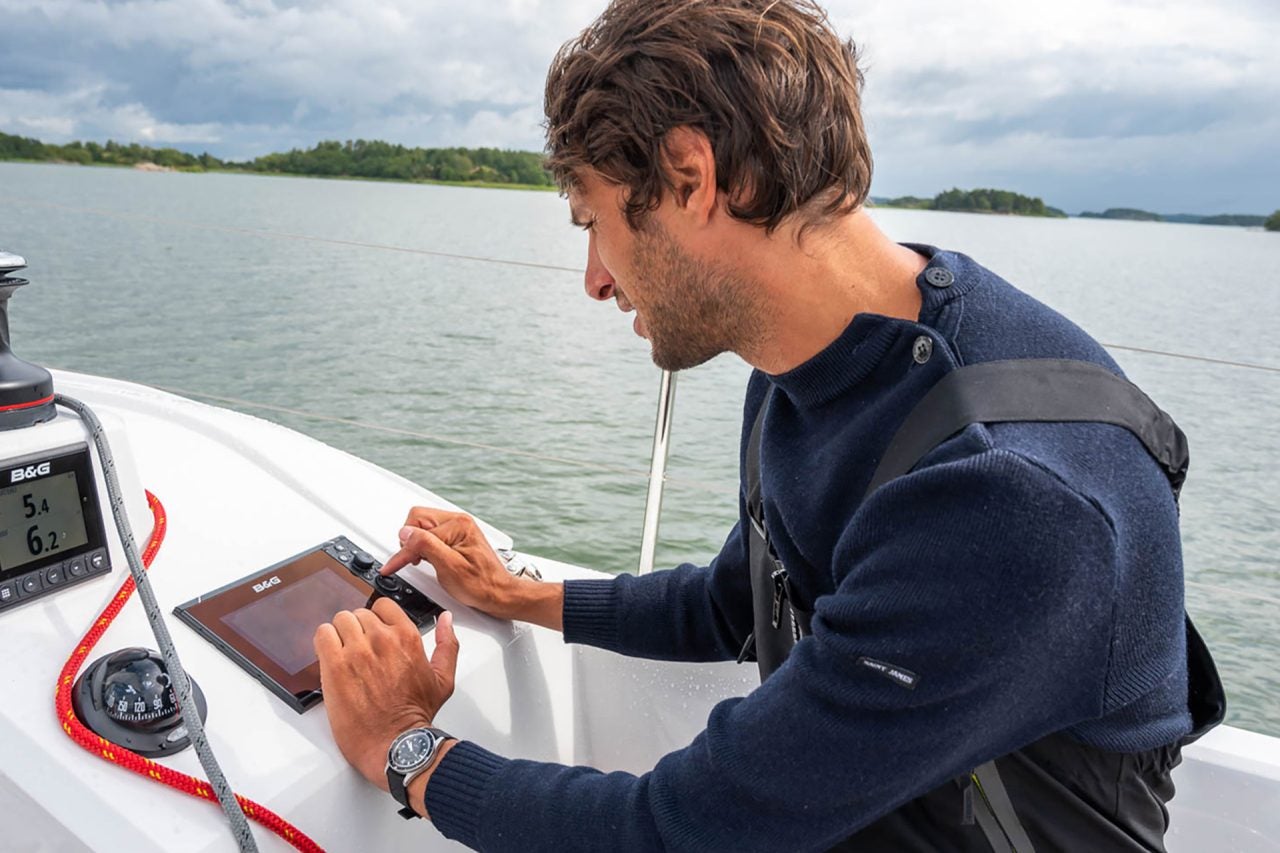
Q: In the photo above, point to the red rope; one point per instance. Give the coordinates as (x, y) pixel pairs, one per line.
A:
(131, 760)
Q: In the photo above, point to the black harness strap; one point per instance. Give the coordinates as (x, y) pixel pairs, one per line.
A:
(777, 624)
(1039, 390)
(1026, 390)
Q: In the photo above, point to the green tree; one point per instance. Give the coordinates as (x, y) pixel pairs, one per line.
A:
(992, 201)
(1273, 222)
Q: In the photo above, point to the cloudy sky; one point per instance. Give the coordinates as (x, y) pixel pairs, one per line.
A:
(1170, 105)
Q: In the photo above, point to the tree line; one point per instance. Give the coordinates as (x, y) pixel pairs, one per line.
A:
(355, 158)
(110, 153)
(1241, 219)
(362, 158)
(374, 159)
(977, 201)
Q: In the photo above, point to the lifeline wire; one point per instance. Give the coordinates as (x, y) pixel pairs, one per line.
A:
(387, 247)
(182, 685)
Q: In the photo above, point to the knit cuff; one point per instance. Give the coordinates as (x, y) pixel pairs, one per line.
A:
(456, 791)
(591, 612)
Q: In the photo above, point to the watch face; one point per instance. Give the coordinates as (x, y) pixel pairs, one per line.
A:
(411, 750)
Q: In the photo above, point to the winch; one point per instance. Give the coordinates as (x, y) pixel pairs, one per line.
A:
(26, 390)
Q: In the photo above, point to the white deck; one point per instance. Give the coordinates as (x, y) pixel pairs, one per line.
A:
(241, 494)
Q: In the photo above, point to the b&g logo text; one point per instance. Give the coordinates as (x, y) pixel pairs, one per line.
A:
(17, 475)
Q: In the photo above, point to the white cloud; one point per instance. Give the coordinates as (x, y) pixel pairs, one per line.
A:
(61, 116)
(1064, 95)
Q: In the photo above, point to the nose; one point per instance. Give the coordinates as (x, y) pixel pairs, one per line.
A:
(598, 280)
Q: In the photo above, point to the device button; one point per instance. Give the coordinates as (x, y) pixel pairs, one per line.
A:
(362, 560)
(54, 575)
(344, 557)
(77, 568)
(30, 584)
(97, 561)
(388, 583)
(339, 547)
(8, 594)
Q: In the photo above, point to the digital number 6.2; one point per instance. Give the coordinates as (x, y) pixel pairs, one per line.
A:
(35, 542)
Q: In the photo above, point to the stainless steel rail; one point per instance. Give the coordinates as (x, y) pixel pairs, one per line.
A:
(657, 471)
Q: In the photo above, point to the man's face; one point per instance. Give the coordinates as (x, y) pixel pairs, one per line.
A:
(691, 309)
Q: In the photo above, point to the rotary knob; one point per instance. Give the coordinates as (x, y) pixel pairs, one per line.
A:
(362, 561)
(388, 584)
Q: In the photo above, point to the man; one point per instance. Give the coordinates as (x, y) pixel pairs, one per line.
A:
(1016, 596)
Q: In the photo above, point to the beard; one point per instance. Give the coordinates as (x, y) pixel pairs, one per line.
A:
(694, 310)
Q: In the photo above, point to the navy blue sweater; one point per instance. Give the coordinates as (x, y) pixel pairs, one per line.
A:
(1029, 574)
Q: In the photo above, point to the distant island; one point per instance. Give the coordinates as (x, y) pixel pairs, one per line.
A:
(493, 167)
(1238, 219)
(351, 159)
(976, 201)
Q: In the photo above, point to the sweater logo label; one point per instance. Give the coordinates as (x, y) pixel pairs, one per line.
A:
(899, 676)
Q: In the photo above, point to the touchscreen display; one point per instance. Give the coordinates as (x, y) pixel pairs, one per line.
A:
(281, 625)
(40, 518)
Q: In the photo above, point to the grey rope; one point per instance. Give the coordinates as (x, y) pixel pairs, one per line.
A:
(182, 685)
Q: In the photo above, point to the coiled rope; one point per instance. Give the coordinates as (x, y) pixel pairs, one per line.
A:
(238, 808)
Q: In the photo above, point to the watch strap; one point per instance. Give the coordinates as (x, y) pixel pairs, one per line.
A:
(398, 783)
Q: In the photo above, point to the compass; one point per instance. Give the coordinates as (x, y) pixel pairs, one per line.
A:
(128, 698)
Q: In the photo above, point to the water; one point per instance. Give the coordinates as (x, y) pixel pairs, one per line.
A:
(517, 357)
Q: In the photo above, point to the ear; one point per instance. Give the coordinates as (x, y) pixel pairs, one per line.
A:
(690, 164)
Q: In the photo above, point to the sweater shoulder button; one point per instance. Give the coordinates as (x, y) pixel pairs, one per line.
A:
(922, 349)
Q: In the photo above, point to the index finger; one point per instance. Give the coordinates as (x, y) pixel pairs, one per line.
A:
(326, 641)
(399, 560)
(421, 544)
(392, 614)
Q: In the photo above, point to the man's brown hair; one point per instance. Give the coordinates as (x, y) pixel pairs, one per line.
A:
(769, 82)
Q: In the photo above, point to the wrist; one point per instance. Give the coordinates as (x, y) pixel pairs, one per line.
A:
(417, 789)
(539, 602)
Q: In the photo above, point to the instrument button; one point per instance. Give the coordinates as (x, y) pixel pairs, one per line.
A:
(29, 584)
(54, 575)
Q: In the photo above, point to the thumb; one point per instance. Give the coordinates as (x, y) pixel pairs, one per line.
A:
(444, 660)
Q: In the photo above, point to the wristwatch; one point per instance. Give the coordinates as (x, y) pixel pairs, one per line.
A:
(410, 754)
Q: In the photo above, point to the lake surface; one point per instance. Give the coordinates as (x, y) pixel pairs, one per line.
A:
(534, 407)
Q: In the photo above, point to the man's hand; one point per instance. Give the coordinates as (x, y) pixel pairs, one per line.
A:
(471, 572)
(377, 681)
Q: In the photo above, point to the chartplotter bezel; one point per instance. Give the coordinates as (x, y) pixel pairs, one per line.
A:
(265, 622)
(55, 486)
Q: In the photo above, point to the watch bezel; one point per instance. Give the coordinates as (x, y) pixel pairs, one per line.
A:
(435, 739)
